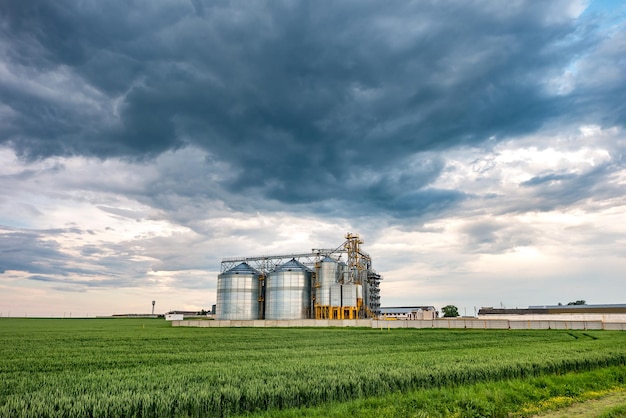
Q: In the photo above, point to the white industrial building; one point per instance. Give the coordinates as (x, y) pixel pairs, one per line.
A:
(604, 313)
(409, 312)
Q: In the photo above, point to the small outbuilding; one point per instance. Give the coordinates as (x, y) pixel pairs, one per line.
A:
(409, 312)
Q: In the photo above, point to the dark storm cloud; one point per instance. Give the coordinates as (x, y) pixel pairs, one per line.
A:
(602, 81)
(548, 178)
(28, 251)
(39, 253)
(73, 284)
(305, 102)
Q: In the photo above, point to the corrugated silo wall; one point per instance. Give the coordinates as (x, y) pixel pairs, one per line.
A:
(238, 294)
(288, 292)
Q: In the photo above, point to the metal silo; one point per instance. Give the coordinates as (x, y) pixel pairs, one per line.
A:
(238, 293)
(335, 295)
(349, 294)
(288, 292)
(329, 274)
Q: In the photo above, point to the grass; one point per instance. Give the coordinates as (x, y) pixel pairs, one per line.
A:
(543, 396)
(144, 367)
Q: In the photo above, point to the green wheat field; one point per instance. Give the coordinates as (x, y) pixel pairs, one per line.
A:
(146, 368)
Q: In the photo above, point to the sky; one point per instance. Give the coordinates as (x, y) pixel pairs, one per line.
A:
(478, 148)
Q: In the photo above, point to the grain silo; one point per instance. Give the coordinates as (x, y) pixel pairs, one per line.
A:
(288, 292)
(336, 283)
(329, 272)
(238, 293)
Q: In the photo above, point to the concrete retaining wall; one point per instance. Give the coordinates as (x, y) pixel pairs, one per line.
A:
(607, 317)
(450, 323)
(295, 323)
(615, 326)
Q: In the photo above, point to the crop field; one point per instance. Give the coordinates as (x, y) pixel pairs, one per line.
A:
(144, 367)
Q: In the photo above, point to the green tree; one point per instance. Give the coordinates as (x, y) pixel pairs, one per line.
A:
(578, 302)
(450, 311)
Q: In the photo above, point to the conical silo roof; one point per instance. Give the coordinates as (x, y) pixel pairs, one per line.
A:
(292, 265)
(243, 268)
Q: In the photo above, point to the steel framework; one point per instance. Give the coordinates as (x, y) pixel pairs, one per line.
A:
(358, 263)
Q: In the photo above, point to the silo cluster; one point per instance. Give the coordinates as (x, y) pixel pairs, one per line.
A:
(316, 285)
(336, 296)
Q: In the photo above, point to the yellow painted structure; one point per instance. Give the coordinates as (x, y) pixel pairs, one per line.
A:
(334, 277)
(358, 263)
(341, 312)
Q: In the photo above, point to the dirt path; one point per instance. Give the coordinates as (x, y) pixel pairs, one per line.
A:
(590, 408)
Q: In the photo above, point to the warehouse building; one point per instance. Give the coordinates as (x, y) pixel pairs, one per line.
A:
(607, 312)
(409, 312)
(323, 284)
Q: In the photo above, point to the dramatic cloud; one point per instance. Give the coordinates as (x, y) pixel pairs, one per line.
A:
(140, 143)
